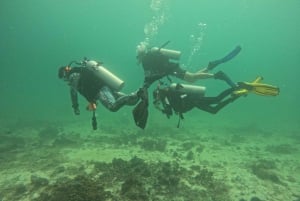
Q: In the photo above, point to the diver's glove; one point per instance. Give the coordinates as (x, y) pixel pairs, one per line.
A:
(167, 110)
(91, 106)
(220, 75)
(76, 111)
(142, 93)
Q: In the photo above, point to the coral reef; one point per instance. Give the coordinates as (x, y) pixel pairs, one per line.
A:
(137, 180)
(57, 163)
(81, 188)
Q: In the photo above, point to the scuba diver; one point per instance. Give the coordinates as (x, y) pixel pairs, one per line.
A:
(159, 62)
(95, 83)
(181, 98)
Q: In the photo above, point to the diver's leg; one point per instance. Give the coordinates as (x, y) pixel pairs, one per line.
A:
(114, 101)
(106, 97)
(222, 104)
(216, 99)
(214, 104)
(220, 75)
(216, 108)
(130, 99)
(224, 94)
(207, 108)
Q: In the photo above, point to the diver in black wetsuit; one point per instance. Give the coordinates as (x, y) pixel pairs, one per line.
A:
(95, 83)
(159, 63)
(182, 98)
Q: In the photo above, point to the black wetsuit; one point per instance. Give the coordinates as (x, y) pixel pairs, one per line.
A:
(182, 102)
(88, 84)
(83, 80)
(156, 66)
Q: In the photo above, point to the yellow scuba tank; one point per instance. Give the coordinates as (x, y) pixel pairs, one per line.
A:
(188, 89)
(111, 80)
(171, 54)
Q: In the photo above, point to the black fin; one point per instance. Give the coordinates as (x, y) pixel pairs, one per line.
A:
(140, 114)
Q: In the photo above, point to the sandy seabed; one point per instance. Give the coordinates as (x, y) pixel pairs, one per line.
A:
(71, 162)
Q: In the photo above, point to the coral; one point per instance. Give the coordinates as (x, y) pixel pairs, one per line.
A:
(134, 189)
(168, 175)
(204, 177)
(137, 180)
(216, 190)
(81, 188)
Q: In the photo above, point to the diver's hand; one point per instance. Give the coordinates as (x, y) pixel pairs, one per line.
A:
(91, 106)
(220, 75)
(167, 111)
(142, 93)
(76, 111)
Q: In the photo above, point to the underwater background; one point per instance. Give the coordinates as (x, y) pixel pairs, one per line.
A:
(39, 36)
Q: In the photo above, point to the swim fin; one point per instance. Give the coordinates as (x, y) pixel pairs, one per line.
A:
(257, 88)
(140, 114)
(229, 56)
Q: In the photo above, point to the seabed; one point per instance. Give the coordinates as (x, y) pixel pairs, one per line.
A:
(71, 162)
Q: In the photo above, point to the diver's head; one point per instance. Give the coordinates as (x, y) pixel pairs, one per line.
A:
(63, 72)
(141, 50)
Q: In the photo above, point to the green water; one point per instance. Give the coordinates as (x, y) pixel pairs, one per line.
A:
(39, 36)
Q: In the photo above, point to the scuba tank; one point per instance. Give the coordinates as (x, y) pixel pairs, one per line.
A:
(107, 77)
(171, 54)
(188, 89)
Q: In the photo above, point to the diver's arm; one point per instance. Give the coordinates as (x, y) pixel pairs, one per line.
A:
(158, 105)
(74, 99)
(163, 105)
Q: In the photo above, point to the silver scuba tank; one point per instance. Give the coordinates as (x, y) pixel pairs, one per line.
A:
(188, 89)
(171, 54)
(111, 80)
